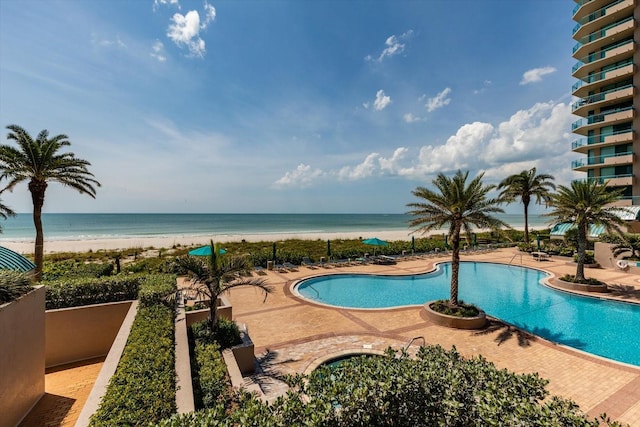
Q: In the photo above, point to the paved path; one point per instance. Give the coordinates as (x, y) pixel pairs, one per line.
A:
(292, 336)
(66, 390)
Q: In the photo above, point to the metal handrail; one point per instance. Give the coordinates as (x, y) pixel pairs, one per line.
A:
(596, 77)
(597, 97)
(596, 159)
(599, 54)
(597, 118)
(597, 35)
(596, 139)
(594, 15)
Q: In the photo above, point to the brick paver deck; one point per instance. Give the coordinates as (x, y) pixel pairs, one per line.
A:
(292, 335)
(66, 390)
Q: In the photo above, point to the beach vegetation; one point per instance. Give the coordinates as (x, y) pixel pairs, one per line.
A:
(435, 388)
(13, 285)
(142, 390)
(40, 162)
(527, 186)
(586, 203)
(459, 205)
(71, 269)
(218, 274)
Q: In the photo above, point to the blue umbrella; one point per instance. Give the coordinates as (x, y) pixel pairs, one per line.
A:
(205, 251)
(374, 241)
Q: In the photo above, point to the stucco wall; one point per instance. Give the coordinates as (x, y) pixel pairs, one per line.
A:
(22, 360)
(81, 333)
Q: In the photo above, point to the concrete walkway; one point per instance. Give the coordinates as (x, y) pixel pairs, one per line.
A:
(292, 335)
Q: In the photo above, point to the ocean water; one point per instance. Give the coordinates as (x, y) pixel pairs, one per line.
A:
(58, 226)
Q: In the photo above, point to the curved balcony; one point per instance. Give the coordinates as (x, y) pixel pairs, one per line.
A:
(607, 35)
(581, 88)
(589, 6)
(619, 115)
(602, 17)
(602, 161)
(597, 60)
(583, 145)
(602, 99)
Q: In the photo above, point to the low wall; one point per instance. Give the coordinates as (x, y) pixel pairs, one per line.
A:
(21, 356)
(81, 333)
(225, 311)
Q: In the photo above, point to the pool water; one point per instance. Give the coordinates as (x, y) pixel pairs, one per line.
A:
(514, 294)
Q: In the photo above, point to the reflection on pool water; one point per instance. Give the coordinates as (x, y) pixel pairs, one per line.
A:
(514, 294)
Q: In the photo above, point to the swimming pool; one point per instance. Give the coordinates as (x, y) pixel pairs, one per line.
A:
(514, 294)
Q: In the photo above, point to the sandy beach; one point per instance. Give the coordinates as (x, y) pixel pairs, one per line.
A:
(26, 247)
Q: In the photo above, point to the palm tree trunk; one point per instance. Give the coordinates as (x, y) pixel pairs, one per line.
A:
(37, 189)
(582, 247)
(455, 264)
(526, 221)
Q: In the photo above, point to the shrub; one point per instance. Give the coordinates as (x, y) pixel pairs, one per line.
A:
(437, 388)
(73, 269)
(13, 285)
(211, 374)
(157, 289)
(463, 310)
(151, 266)
(142, 390)
(85, 291)
(588, 281)
(588, 258)
(227, 334)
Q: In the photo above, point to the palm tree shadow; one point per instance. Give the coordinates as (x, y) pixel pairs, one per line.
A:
(507, 332)
(624, 291)
(268, 375)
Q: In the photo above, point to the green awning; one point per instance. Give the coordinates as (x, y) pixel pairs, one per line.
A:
(559, 230)
(10, 260)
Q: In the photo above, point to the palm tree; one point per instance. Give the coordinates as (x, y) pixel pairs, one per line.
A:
(5, 212)
(526, 185)
(583, 204)
(218, 275)
(39, 162)
(459, 206)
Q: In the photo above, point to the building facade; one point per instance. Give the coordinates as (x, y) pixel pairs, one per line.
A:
(606, 52)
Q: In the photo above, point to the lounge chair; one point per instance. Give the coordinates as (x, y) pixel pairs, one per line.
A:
(259, 270)
(309, 264)
(289, 266)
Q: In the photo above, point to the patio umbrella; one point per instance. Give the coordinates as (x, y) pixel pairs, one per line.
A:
(205, 251)
(374, 241)
(328, 249)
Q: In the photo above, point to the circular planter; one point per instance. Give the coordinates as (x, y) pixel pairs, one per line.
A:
(477, 322)
(570, 286)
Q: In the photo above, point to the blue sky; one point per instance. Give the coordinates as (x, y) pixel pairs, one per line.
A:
(287, 106)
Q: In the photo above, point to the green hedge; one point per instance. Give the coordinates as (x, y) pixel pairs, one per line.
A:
(142, 390)
(86, 291)
(69, 269)
(157, 289)
(211, 378)
(13, 285)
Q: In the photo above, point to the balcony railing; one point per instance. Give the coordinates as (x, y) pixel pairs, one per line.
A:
(596, 97)
(596, 77)
(596, 160)
(596, 35)
(597, 118)
(595, 15)
(597, 55)
(596, 139)
(579, 5)
(603, 179)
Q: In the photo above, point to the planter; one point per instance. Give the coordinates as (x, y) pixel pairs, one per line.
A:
(477, 322)
(581, 287)
(22, 357)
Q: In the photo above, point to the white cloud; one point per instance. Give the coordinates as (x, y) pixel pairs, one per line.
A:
(209, 15)
(382, 101)
(485, 85)
(96, 40)
(393, 46)
(535, 75)
(440, 100)
(538, 136)
(157, 51)
(185, 30)
(410, 118)
(303, 176)
(157, 3)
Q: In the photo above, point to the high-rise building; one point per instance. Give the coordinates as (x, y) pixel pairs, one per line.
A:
(607, 130)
